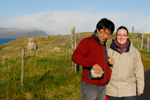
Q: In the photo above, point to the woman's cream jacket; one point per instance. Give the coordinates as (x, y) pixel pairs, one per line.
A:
(127, 77)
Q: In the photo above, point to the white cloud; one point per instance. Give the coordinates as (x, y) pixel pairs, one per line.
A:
(142, 25)
(63, 22)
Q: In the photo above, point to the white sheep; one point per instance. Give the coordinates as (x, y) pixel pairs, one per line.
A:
(32, 46)
(55, 49)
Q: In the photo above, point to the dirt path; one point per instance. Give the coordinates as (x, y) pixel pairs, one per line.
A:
(146, 94)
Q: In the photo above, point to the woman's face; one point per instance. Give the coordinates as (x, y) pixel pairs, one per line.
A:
(122, 36)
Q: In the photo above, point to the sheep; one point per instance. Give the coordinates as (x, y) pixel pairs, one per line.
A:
(32, 46)
(55, 49)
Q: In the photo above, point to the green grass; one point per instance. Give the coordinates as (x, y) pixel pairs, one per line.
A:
(47, 75)
(145, 59)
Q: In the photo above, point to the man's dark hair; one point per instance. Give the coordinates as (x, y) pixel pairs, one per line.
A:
(122, 27)
(105, 23)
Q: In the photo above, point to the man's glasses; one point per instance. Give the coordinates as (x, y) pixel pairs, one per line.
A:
(105, 34)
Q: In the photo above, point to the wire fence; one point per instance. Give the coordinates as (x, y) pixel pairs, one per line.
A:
(37, 66)
(139, 40)
(40, 64)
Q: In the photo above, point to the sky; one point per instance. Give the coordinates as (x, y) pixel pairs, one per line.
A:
(57, 17)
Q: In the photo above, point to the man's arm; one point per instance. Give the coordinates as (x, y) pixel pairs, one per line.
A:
(80, 53)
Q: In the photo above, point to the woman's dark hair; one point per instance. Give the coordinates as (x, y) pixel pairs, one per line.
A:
(105, 23)
(122, 27)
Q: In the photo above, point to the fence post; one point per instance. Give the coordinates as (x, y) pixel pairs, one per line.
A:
(132, 29)
(73, 39)
(22, 66)
(142, 41)
(73, 47)
(3, 60)
(147, 43)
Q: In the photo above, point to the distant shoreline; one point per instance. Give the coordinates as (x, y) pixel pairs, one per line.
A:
(6, 40)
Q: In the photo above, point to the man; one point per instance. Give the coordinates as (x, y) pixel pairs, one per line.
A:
(91, 54)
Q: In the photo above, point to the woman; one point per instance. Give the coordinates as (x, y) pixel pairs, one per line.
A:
(127, 79)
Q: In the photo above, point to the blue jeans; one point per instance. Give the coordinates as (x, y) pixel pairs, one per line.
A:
(122, 98)
(92, 92)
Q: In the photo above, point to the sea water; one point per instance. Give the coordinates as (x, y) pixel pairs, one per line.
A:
(6, 40)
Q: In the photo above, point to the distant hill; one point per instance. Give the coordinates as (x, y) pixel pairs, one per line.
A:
(19, 33)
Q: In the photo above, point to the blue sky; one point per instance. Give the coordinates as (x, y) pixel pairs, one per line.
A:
(59, 16)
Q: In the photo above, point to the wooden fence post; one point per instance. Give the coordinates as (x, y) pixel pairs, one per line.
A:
(132, 29)
(142, 41)
(147, 43)
(73, 39)
(73, 47)
(3, 59)
(22, 66)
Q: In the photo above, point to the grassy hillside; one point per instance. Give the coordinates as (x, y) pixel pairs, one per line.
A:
(47, 75)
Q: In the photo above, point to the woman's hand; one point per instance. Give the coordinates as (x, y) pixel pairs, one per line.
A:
(111, 61)
(139, 94)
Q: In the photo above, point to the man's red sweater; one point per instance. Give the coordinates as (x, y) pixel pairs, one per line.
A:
(88, 53)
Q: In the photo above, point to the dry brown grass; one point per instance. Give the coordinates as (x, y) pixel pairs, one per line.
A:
(29, 96)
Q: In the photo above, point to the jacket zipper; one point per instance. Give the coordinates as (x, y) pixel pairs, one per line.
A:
(118, 76)
(104, 65)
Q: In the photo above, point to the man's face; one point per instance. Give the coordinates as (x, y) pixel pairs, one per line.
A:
(103, 34)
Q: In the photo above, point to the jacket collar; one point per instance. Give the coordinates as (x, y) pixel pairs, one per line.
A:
(97, 39)
(114, 47)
